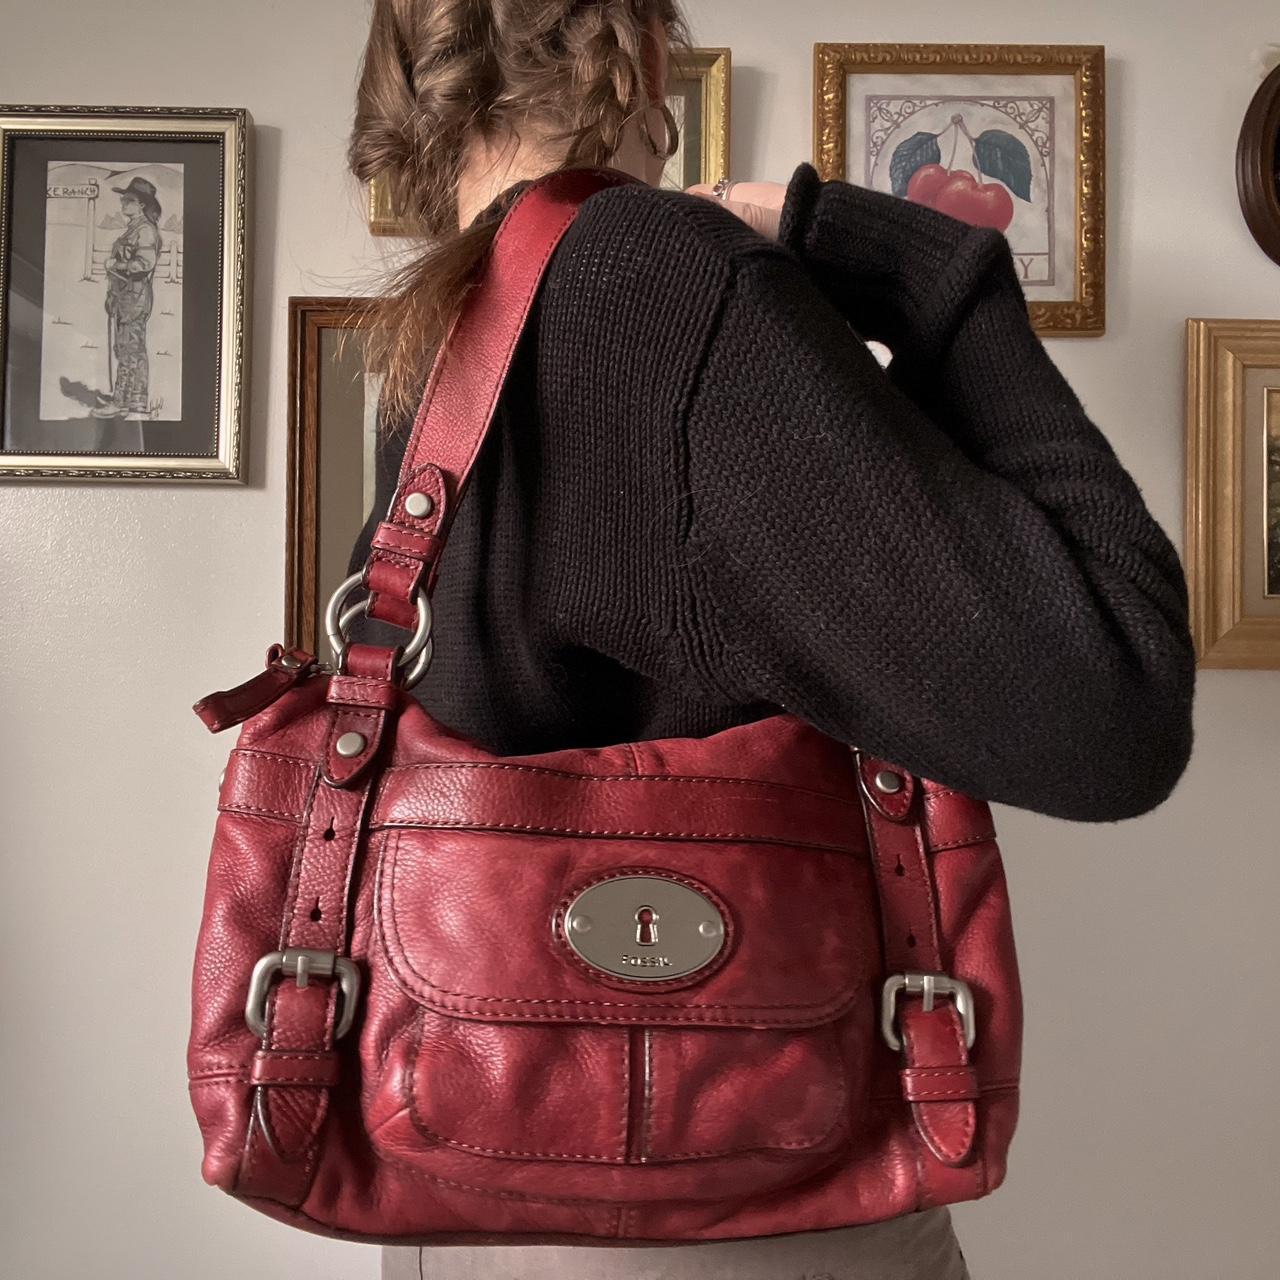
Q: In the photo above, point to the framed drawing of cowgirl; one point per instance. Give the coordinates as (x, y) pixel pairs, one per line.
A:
(123, 277)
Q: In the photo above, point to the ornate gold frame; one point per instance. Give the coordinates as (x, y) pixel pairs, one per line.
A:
(711, 65)
(1085, 316)
(235, 126)
(1228, 630)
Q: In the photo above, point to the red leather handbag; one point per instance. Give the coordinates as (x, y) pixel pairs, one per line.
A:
(683, 989)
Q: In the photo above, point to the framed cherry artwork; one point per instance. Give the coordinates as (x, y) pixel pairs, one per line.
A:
(1006, 136)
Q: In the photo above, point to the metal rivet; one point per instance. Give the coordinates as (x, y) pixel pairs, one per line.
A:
(419, 505)
(288, 660)
(888, 781)
(350, 744)
(580, 924)
(710, 929)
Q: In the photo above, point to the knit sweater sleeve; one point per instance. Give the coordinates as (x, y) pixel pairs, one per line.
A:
(964, 580)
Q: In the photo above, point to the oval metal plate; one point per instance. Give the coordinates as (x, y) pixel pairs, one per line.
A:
(647, 928)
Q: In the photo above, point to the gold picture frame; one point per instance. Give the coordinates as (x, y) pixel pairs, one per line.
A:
(699, 95)
(124, 279)
(698, 91)
(1232, 513)
(1027, 152)
(384, 218)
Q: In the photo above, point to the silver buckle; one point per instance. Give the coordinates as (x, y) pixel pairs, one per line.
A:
(416, 655)
(928, 985)
(301, 963)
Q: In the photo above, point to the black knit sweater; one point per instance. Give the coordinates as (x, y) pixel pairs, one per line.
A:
(703, 500)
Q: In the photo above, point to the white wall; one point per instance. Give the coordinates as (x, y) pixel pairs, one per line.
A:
(1150, 1121)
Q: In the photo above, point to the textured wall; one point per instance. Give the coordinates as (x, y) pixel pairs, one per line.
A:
(1149, 1124)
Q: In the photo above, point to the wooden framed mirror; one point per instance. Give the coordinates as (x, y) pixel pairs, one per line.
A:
(1258, 166)
(332, 433)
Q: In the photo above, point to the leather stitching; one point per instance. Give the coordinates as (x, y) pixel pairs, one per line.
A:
(256, 811)
(419, 1122)
(623, 777)
(749, 836)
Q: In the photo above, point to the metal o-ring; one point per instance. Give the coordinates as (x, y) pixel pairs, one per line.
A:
(416, 672)
(421, 634)
(417, 652)
(337, 621)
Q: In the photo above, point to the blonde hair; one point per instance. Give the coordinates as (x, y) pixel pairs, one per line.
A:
(437, 74)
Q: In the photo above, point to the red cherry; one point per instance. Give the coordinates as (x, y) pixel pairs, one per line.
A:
(986, 204)
(926, 182)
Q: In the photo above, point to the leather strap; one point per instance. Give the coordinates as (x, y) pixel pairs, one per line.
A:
(463, 387)
(937, 1078)
(285, 668)
(296, 1067)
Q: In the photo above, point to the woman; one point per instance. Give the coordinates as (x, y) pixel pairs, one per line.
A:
(130, 266)
(703, 500)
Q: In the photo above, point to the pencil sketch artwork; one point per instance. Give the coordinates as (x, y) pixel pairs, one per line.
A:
(112, 325)
(965, 145)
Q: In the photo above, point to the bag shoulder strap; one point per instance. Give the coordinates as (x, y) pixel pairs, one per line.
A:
(462, 391)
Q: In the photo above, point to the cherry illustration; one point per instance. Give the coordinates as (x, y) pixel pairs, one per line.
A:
(983, 204)
(926, 182)
(958, 193)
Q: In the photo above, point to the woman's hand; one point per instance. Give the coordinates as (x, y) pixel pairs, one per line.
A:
(758, 204)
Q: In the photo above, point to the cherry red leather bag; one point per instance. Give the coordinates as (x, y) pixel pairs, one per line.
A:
(683, 989)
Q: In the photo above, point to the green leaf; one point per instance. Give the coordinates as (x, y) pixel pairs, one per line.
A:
(917, 151)
(1000, 155)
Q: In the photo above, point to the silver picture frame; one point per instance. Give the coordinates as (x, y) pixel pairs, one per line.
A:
(124, 275)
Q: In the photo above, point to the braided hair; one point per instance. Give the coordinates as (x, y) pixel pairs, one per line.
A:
(439, 74)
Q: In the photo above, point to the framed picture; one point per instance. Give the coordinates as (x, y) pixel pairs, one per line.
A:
(123, 278)
(331, 457)
(697, 93)
(698, 90)
(384, 218)
(1232, 552)
(1008, 136)
(1258, 166)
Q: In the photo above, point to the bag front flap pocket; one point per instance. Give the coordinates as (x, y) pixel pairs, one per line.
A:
(473, 924)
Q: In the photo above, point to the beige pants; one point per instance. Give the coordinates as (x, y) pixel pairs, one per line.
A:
(917, 1246)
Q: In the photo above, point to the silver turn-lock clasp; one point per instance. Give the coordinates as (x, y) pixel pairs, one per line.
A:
(302, 963)
(928, 985)
(613, 926)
